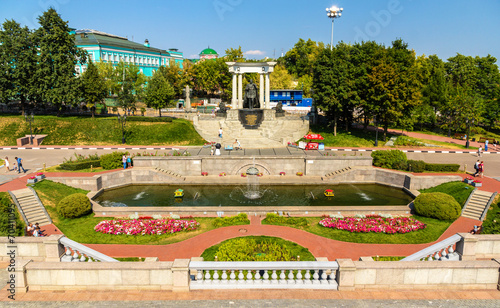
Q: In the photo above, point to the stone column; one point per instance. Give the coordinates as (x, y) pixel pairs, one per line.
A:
(234, 99)
(261, 91)
(268, 92)
(19, 277)
(346, 274)
(240, 91)
(467, 247)
(180, 275)
(188, 99)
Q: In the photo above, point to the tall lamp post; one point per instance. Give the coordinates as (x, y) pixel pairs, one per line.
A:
(376, 131)
(468, 130)
(30, 120)
(333, 12)
(122, 119)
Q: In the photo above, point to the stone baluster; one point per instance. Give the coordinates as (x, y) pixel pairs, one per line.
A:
(249, 277)
(299, 277)
(275, 277)
(233, 277)
(282, 277)
(316, 277)
(258, 277)
(291, 278)
(241, 277)
(215, 277)
(266, 277)
(307, 277)
(332, 276)
(199, 276)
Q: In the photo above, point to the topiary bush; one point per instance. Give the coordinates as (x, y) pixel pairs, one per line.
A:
(275, 219)
(442, 167)
(112, 161)
(389, 159)
(437, 205)
(417, 166)
(74, 206)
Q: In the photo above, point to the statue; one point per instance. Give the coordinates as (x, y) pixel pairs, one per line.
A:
(251, 100)
(279, 107)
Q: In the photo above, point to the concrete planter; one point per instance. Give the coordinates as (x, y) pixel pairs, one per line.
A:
(32, 181)
(468, 181)
(40, 177)
(477, 184)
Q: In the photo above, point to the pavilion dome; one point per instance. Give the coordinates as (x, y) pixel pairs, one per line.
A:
(208, 51)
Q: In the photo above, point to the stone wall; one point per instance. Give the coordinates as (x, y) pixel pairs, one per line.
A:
(32, 248)
(386, 275)
(487, 246)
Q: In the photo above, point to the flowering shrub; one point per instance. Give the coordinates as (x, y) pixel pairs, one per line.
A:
(374, 223)
(145, 226)
(477, 181)
(300, 173)
(282, 173)
(469, 178)
(243, 175)
(222, 174)
(260, 174)
(204, 173)
(338, 216)
(39, 174)
(32, 177)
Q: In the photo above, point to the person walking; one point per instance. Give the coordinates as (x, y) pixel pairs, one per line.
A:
(212, 149)
(19, 161)
(486, 145)
(481, 169)
(129, 161)
(220, 132)
(7, 168)
(479, 151)
(124, 161)
(217, 149)
(476, 167)
(237, 145)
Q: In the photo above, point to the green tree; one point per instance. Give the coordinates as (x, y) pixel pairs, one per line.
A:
(173, 75)
(159, 93)
(18, 58)
(299, 60)
(93, 86)
(432, 76)
(213, 78)
(130, 84)
(234, 55)
(280, 79)
(58, 57)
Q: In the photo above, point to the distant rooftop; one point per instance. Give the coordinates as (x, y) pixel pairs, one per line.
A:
(99, 32)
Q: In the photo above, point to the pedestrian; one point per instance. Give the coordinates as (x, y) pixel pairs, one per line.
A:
(479, 151)
(29, 230)
(486, 145)
(476, 167)
(124, 161)
(129, 161)
(217, 149)
(19, 161)
(7, 169)
(220, 132)
(237, 145)
(212, 148)
(481, 169)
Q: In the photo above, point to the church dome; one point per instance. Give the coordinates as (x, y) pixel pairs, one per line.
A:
(208, 51)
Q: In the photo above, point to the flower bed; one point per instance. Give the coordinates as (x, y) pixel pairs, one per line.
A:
(145, 226)
(204, 173)
(222, 174)
(374, 223)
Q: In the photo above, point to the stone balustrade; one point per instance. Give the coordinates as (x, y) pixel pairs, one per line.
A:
(263, 275)
(76, 252)
(442, 251)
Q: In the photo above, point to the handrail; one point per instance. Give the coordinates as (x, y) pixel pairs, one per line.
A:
(18, 206)
(40, 202)
(263, 265)
(467, 201)
(81, 252)
(487, 207)
(437, 251)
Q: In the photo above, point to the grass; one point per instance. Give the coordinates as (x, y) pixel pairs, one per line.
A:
(387, 258)
(430, 234)
(131, 259)
(459, 190)
(57, 169)
(98, 131)
(491, 224)
(82, 229)
(354, 138)
(295, 249)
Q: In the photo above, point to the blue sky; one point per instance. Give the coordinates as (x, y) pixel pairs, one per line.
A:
(266, 28)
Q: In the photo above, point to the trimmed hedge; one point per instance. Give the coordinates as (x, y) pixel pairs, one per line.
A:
(437, 205)
(419, 166)
(74, 206)
(113, 160)
(149, 119)
(275, 219)
(79, 165)
(240, 219)
(392, 159)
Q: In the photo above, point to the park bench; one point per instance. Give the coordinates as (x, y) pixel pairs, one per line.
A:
(490, 140)
(37, 140)
(459, 136)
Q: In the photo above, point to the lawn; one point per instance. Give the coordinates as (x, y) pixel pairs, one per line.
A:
(354, 138)
(82, 229)
(295, 249)
(491, 225)
(431, 233)
(98, 131)
(459, 190)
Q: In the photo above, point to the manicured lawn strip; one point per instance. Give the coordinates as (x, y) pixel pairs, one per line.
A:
(98, 131)
(57, 169)
(295, 249)
(433, 231)
(491, 225)
(459, 190)
(354, 138)
(131, 259)
(387, 258)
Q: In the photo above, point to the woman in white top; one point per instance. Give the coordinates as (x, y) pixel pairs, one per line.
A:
(7, 168)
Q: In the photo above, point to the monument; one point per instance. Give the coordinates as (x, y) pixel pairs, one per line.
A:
(251, 100)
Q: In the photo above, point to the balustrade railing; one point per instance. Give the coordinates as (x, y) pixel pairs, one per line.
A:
(442, 251)
(263, 275)
(76, 252)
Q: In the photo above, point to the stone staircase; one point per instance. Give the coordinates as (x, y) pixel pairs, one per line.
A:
(337, 172)
(275, 133)
(32, 208)
(171, 173)
(478, 204)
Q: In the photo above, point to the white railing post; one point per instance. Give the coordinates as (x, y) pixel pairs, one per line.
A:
(76, 252)
(442, 251)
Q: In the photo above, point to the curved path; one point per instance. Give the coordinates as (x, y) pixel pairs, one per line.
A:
(317, 245)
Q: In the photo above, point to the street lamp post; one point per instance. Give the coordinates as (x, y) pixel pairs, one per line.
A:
(30, 119)
(122, 119)
(333, 12)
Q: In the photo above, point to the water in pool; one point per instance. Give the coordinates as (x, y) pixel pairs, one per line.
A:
(265, 195)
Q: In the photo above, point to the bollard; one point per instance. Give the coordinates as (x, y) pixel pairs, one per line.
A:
(91, 168)
(465, 168)
(44, 167)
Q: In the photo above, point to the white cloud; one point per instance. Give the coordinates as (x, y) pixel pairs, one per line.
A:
(254, 52)
(193, 56)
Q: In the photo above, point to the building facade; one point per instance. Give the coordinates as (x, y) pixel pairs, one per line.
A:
(105, 47)
(208, 53)
(289, 97)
